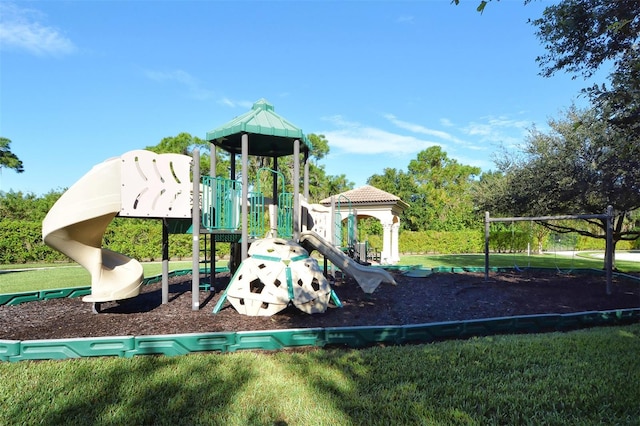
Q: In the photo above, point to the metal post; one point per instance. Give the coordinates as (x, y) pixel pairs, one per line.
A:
(274, 184)
(332, 222)
(306, 175)
(213, 162)
(232, 167)
(195, 216)
(274, 198)
(245, 197)
(165, 262)
(609, 248)
(212, 173)
(486, 246)
(296, 190)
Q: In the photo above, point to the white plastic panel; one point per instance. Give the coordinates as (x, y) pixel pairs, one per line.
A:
(155, 185)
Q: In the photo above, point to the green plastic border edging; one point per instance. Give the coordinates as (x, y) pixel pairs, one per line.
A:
(352, 337)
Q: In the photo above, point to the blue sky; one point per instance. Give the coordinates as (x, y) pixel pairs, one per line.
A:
(84, 81)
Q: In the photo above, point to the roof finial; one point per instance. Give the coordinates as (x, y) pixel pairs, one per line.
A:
(262, 104)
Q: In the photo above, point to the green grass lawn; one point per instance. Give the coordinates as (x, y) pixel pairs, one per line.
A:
(585, 377)
(581, 377)
(32, 277)
(548, 260)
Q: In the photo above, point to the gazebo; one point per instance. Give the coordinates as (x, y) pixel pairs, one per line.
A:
(369, 201)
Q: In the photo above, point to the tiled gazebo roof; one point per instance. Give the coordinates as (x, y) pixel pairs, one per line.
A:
(368, 195)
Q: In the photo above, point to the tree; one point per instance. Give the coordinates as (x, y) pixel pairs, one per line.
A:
(481, 5)
(580, 167)
(184, 144)
(7, 158)
(319, 147)
(321, 185)
(445, 186)
(620, 103)
(581, 35)
(437, 189)
(402, 185)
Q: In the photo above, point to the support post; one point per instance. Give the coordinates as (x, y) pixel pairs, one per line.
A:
(213, 162)
(306, 175)
(165, 262)
(245, 197)
(195, 216)
(296, 190)
(486, 245)
(273, 207)
(212, 173)
(332, 222)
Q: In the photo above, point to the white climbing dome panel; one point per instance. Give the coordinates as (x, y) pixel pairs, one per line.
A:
(277, 272)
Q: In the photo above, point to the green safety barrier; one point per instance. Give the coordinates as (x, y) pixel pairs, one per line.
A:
(352, 337)
(73, 348)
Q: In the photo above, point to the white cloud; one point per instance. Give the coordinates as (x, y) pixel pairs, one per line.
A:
(446, 122)
(418, 128)
(20, 29)
(404, 19)
(355, 138)
(235, 104)
(472, 147)
(183, 78)
(498, 129)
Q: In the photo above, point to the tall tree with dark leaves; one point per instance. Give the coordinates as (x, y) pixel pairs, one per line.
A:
(9, 160)
(582, 165)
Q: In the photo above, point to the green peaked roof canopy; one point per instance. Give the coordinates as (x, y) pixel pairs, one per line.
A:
(269, 134)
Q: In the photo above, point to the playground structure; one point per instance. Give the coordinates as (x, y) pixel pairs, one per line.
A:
(275, 272)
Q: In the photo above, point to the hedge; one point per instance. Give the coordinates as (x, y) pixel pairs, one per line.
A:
(21, 242)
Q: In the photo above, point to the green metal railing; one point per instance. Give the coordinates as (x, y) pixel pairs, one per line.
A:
(221, 203)
(285, 215)
(256, 215)
(350, 224)
(221, 200)
(257, 227)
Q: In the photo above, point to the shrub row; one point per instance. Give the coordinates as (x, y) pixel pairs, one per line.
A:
(21, 242)
(442, 242)
(472, 241)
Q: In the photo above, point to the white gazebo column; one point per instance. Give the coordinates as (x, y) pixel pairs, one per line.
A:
(385, 256)
(395, 255)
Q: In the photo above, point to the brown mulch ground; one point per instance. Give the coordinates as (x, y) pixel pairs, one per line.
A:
(439, 297)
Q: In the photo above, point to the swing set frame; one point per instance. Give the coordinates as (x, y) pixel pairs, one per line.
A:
(608, 216)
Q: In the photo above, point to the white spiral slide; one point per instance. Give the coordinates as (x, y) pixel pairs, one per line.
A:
(76, 223)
